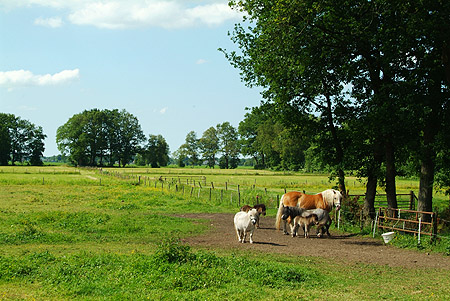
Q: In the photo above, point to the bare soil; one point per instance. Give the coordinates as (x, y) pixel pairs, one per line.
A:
(346, 248)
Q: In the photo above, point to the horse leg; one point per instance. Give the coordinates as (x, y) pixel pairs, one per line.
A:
(251, 236)
(284, 228)
(238, 232)
(306, 231)
(319, 231)
(327, 226)
(294, 233)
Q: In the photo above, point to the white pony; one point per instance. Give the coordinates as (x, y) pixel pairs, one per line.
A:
(244, 222)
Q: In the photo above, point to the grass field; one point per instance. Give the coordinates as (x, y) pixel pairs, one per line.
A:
(68, 233)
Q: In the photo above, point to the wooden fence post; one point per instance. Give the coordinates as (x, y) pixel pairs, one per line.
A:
(239, 196)
(434, 220)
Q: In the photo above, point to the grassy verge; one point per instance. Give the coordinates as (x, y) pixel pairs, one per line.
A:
(175, 271)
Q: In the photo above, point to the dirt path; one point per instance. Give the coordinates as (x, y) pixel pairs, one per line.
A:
(343, 248)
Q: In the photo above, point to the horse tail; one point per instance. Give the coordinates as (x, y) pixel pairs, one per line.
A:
(278, 218)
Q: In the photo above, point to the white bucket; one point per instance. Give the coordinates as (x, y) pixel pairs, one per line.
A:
(388, 236)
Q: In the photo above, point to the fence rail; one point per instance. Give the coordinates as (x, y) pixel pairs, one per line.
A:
(409, 203)
(409, 221)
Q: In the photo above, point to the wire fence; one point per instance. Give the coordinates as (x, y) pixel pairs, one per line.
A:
(234, 195)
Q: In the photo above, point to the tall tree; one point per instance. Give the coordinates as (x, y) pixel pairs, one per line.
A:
(72, 140)
(228, 143)
(36, 146)
(90, 136)
(248, 132)
(20, 140)
(383, 51)
(156, 151)
(209, 146)
(5, 139)
(190, 148)
(130, 136)
(287, 56)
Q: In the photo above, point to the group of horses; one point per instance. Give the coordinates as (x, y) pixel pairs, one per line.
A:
(297, 209)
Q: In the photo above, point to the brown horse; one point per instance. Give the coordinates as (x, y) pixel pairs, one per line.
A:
(323, 200)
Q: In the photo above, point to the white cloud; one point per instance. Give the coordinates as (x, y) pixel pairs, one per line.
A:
(50, 22)
(27, 108)
(20, 78)
(119, 14)
(201, 61)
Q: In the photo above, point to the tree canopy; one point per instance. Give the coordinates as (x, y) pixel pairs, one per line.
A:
(20, 140)
(96, 137)
(374, 73)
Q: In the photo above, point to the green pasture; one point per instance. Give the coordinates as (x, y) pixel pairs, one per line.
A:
(68, 233)
(274, 183)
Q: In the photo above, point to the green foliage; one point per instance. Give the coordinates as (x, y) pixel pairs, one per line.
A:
(172, 251)
(155, 153)
(375, 76)
(20, 140)
(92, 137)
(209, 146)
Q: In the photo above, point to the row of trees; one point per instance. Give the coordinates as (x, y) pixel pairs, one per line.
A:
(368, 79)
(20, 141)
(221, 140)
(104, 137)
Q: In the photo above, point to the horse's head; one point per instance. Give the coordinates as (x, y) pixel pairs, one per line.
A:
(254, 216)
(261, 208)
(337, 198)
(333, 198)
(287, 212)
(314, 219)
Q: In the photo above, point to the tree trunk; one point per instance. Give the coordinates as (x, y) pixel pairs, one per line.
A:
(391, 192)
(372, 182)
(337, 146)
(371, 191)
(446, 60)
(341, 184)
(428, 155)
(425, 202)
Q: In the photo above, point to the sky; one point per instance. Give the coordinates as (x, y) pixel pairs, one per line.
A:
(156, 59)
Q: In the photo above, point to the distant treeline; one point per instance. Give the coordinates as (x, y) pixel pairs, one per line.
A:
(20, 141)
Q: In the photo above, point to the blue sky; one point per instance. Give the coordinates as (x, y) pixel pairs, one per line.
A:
(156, 59)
